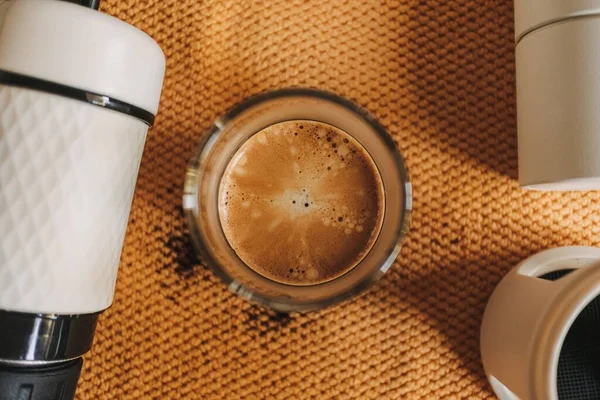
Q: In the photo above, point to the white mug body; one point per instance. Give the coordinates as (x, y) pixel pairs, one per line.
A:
(67, 176)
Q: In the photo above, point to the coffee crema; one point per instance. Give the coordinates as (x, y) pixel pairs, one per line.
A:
(301, 202)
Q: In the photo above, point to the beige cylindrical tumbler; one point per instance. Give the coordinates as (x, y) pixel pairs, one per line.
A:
(558, 92)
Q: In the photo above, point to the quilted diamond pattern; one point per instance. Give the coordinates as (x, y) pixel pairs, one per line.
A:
(67, 175)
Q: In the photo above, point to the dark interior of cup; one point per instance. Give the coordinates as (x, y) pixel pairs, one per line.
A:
(579, 361)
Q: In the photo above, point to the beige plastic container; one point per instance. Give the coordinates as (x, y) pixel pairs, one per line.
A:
(558, 92)
(527, 319)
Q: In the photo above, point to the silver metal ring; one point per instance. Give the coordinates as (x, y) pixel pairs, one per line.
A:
(34, 339)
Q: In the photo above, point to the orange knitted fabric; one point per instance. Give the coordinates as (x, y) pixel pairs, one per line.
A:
(440, 76)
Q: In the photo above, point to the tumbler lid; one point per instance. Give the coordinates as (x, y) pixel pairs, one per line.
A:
(82, 49)
(532, 14)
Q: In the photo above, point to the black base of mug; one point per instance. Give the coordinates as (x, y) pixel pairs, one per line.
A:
(57, 381)
(40, 354)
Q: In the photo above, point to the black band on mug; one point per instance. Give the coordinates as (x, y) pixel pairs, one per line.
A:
(28, 82)
(43, 338)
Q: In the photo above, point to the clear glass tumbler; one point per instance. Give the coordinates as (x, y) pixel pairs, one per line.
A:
(229, 133)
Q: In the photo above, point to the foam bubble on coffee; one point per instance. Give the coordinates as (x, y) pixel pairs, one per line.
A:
(301, 202)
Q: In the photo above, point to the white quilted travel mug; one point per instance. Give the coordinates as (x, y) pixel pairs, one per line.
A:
(558, 92)
(539, 335)
(78, 92)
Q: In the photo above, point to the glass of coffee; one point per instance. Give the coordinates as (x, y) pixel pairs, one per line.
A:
(297, 199)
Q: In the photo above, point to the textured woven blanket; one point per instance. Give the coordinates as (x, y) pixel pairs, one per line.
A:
(439, 75)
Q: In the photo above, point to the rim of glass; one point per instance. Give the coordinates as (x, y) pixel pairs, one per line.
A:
(191, 200)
